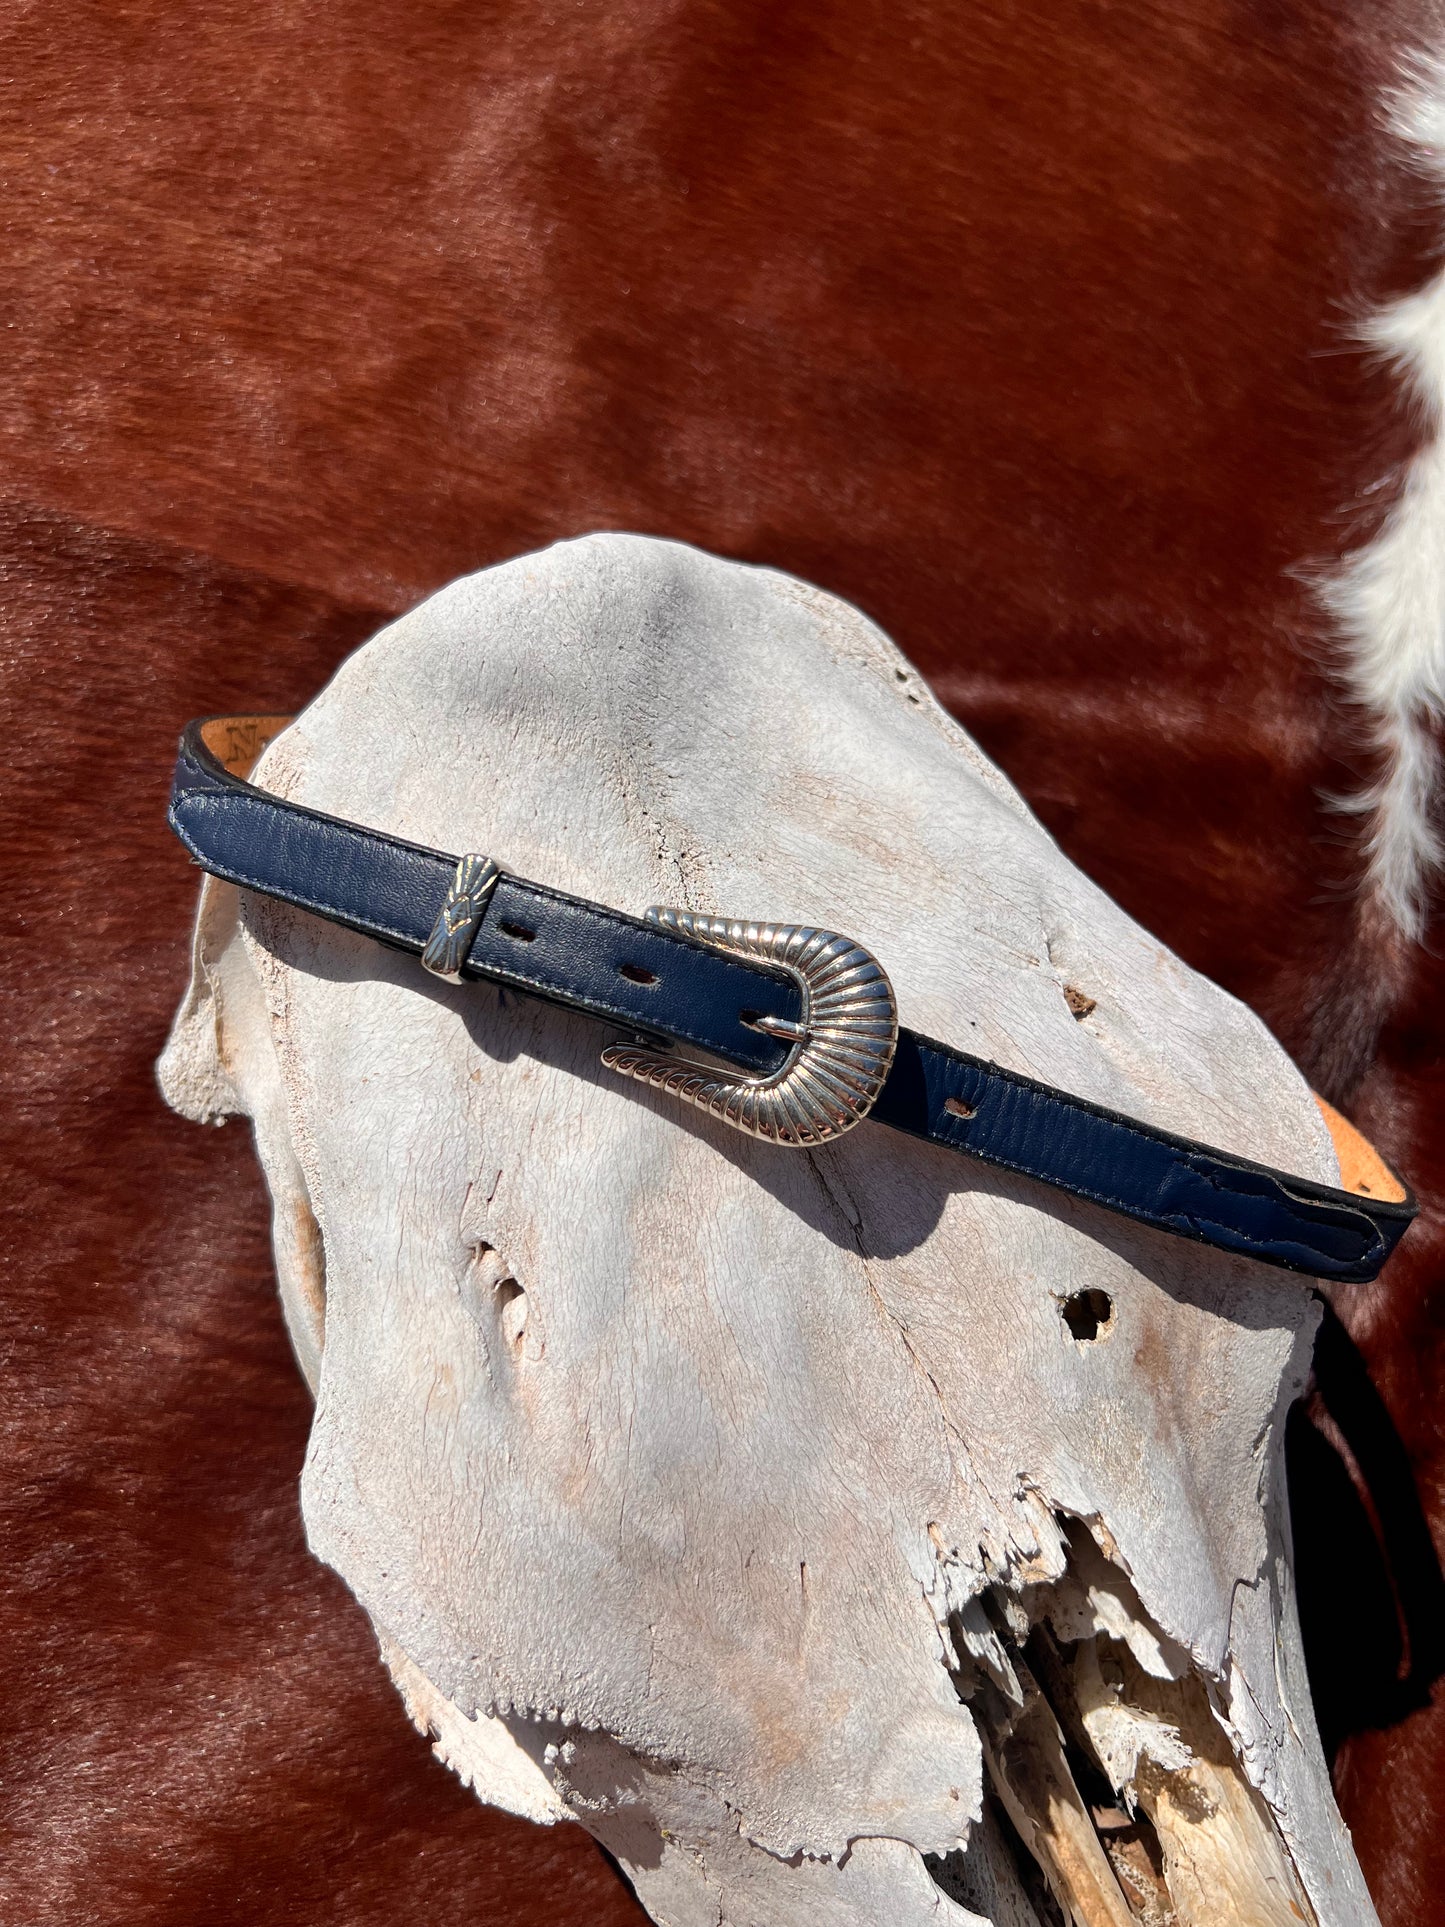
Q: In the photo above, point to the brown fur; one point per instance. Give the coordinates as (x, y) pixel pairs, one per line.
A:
(1023, 326)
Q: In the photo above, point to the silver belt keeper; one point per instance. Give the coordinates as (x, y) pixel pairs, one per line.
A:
(460, 918)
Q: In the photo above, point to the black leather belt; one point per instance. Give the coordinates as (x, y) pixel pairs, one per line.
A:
(803, 1020)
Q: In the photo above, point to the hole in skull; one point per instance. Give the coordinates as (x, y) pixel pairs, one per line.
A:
(491, 1292)
(1081, 1005)
(512, 1305)
(1133, 1850)
(635, 974)
(1087, 1313)
(517, 930)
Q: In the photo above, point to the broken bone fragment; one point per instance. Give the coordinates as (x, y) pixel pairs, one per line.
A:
(1116, 1776)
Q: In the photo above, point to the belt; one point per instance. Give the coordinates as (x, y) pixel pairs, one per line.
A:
(803, 1020)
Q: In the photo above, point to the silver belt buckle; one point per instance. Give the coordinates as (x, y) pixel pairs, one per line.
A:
(842, 1049)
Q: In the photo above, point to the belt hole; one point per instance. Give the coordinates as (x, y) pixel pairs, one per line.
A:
(517, 930)
(635, 974)
(956, 1107)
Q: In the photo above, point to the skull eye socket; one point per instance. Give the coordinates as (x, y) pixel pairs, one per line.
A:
(1087, 1314)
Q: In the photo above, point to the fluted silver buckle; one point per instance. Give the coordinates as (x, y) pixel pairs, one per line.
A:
(460, 917)
(842, 1048)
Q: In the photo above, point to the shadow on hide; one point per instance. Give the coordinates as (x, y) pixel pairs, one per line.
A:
(1370, 1587)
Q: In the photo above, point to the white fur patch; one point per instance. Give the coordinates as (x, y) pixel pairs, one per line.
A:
(1389, 597)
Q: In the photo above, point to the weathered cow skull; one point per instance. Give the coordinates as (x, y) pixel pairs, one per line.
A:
(831, 1533)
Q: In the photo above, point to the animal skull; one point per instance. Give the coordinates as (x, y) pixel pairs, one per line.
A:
(856, 1536)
